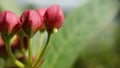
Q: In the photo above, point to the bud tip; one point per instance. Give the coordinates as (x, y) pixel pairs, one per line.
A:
(55, 30)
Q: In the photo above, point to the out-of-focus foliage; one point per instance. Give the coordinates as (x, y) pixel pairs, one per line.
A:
(87, 38)
(10, 5)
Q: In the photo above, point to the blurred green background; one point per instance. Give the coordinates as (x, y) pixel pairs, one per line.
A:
(89, 37)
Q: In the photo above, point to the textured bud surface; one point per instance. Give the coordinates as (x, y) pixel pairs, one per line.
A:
(31, 21)
(54, 17)
(41, 12)
(9, 23)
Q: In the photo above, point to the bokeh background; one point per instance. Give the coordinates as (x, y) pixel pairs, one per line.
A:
(89, 37)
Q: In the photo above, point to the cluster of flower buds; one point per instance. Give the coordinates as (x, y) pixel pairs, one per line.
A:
(24, 28)
(41, 19)
(15, 46)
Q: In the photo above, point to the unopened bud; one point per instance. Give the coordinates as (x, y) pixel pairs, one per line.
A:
(54, 17)
(31, 21)
(9, 23)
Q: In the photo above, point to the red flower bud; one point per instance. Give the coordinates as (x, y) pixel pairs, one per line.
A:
(15, 46)
(31, 22)
(9, 23)
(41, 12)
(54, 17)
(3, 51)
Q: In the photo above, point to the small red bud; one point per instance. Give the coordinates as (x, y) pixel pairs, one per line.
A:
(31, 22)
(3, 51)
(9, 23)
(41, 12)
(16, 45)
(54, 17)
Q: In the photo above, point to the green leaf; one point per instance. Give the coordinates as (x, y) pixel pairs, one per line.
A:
(100, 52)
(80, 28)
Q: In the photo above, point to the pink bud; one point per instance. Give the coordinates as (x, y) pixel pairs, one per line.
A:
(3, 51)
(9, 23)
(54, 17)
(41, 12)
(31, 22)
(16, 45)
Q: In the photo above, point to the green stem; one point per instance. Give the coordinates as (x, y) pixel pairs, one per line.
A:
(23, 48)
(43, 52)
(30, 52)
(22, 45)
(8, 48)
(39, 47)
